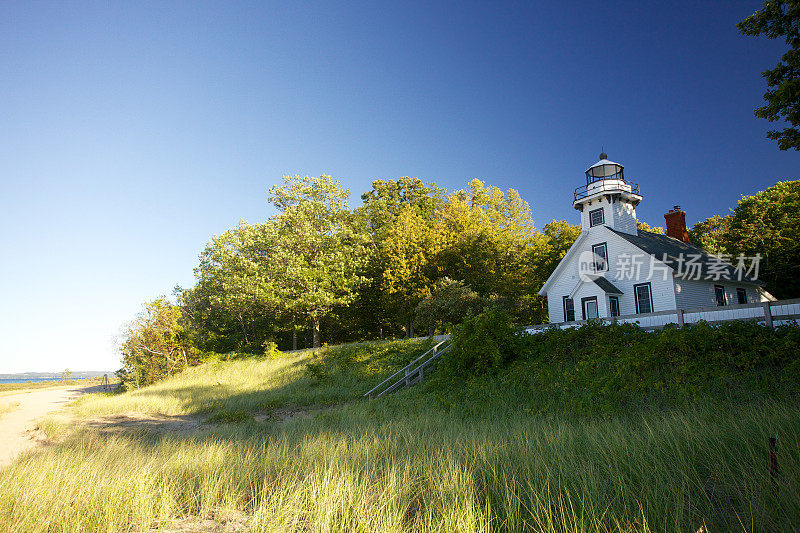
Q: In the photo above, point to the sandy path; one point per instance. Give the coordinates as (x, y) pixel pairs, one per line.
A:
(15, 425)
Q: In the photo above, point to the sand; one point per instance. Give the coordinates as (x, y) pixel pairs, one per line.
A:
(17, 426)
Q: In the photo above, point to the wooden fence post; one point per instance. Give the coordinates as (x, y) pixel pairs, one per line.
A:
(680, 317)
(767, 315)
(773, 459)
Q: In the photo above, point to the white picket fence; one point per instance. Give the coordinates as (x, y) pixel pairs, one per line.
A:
(769, 313)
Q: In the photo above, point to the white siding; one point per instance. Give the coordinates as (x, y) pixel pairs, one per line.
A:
(624, 217)
(691, 293)
(569, 283)
(661, 286)
(618, 215)
(591, 206)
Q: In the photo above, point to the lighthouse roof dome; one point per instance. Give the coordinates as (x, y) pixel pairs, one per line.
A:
(604, 168)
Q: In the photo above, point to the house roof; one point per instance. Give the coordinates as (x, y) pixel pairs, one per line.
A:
(604, 162)
(606, 285)
(681, 256)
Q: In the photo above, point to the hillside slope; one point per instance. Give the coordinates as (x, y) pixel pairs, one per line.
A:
(288, 444)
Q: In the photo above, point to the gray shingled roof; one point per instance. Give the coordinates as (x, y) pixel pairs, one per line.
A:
(606, 285)
(670, 250)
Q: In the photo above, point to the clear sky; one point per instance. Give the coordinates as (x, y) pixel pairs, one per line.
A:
(132, 132)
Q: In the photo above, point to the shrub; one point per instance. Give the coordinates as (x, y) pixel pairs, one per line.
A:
(603, 368)
(482, 344)
(448, 303)
(271, 350)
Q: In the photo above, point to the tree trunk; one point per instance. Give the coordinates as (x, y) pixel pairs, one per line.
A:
(244, 329)
(294, 338)
(315, 318)
(410, 328)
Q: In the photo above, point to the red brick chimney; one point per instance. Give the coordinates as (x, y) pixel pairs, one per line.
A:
(676, 224)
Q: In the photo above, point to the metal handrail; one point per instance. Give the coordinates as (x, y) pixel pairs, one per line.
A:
(409, 378)
(616, 185)
(406, 368)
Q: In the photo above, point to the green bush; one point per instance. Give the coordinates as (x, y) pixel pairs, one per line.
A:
(271, 350)
(607, 369)
(482, 344)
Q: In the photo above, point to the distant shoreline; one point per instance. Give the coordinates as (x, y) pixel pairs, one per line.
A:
(39, 380)
(22, 377)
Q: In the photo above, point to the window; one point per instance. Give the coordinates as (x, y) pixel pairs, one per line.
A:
(644, 298)
(613, 305)
(589, 307)
(741, 296)
(601, 257)
(596, 217)
(569, 309)
(719, 294)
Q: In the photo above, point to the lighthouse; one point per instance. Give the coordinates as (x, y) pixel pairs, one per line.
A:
(615, 270)
(607, 199)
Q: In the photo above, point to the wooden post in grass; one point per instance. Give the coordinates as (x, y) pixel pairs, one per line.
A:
(773, 459)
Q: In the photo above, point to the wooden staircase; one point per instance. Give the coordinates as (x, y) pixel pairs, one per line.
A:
(412, 373)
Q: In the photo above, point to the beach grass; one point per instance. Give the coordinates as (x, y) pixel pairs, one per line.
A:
(300, 452)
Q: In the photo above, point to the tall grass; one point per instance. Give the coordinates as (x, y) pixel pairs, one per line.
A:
(406, 462)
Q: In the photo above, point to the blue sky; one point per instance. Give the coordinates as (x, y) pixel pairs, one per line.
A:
(132, 132)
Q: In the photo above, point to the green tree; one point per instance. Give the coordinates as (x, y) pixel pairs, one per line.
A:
(154, 346)
(711, 234)
(644, 226)
(767, 224)
(406, 252)
(387, 299)
(780, 19)
(383, 204)
(238, 274)
(449, 302)
(320, 249)
(485, 234)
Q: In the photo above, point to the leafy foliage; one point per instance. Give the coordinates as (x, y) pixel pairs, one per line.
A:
(449, 302)
(482, 344)
(320, 250)
(605, 369)
(318, 268)
(768, 224)
(153, 345)
(780, 19)
(644, 226)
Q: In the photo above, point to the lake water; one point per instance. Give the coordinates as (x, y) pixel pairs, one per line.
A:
(25, 380)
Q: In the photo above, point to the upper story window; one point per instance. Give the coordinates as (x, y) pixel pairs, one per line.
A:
(597, 217)
(601, 257)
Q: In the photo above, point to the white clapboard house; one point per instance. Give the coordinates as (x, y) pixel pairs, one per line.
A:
(614, 269)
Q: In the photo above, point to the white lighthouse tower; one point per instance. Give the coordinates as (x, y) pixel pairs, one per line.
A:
(607, 199)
